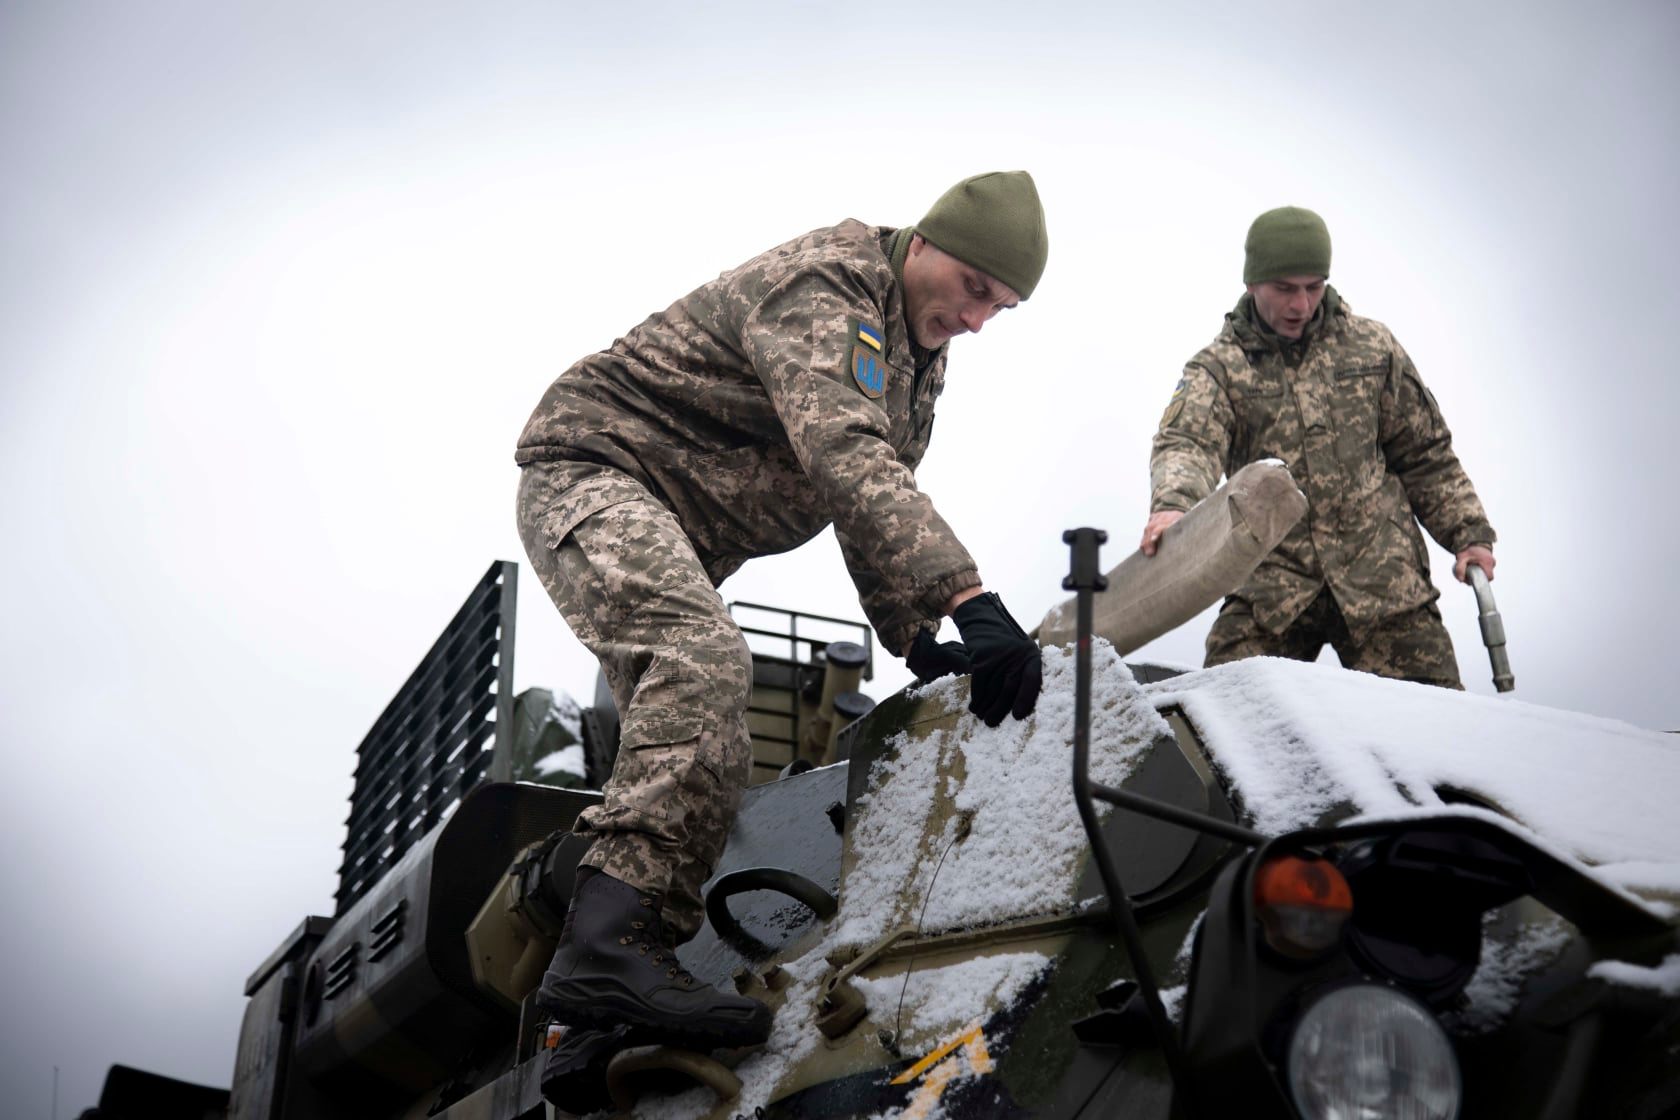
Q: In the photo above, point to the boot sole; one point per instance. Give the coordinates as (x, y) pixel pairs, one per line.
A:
(603, 1003)
(574, 1077)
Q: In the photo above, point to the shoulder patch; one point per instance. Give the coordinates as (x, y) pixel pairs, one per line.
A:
(1174, 408)
(869, 367)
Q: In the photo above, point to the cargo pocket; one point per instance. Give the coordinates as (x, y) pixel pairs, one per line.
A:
(664, 783)
(576, 566)
(572, 507)
(652, 727)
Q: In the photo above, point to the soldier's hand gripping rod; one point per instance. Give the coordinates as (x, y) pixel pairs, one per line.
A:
(1493, 629)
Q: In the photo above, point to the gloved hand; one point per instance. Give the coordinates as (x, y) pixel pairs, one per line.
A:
(1008, 668)
(929, 658)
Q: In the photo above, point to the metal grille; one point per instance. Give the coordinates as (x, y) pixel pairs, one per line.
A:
(798, 637)
(434, 742)
(786, 647)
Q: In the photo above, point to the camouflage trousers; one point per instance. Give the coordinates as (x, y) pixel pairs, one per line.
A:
(1413, 646)
(628, 582)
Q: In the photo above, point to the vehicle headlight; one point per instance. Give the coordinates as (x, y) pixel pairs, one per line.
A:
(1366, 1052)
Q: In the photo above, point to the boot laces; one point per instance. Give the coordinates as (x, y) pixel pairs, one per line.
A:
(676, 971)
(654, 939)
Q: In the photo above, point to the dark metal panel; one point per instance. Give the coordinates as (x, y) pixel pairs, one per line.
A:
(782, 824)
(389, 1004)
(130, 1094)
(296, 946)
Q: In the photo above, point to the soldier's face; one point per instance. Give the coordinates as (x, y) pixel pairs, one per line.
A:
(1288, 303)
(943, 297)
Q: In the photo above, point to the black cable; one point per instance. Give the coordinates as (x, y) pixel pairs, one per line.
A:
(964, 823)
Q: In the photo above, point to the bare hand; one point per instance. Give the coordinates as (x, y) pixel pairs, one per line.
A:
(1157, 525)
(1478, 554)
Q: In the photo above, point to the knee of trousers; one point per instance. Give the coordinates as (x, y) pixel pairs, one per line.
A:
(684, 759)
(698, 660)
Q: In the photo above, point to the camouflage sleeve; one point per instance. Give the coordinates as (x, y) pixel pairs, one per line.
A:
(894, 617)
(1191, 445)
(1417, 446)
(798, 341)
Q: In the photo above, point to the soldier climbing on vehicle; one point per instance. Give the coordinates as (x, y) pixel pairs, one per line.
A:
(792, 392)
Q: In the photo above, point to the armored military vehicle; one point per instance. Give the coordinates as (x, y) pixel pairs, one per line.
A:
(1268, 889)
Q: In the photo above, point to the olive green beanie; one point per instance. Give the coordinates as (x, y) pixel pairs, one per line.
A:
(1288, 241)
(993, 222)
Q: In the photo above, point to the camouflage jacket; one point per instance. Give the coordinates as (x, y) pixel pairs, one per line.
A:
(1345, 409)
(780, 397)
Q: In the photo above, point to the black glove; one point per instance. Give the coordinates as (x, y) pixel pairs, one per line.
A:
(929, 658)
(1008, 668)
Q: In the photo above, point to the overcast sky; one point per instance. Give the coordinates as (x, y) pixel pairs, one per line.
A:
(279, 285)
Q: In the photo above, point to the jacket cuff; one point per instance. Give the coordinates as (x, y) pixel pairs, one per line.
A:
(1479, 532)
(898, 639)
(933, 600)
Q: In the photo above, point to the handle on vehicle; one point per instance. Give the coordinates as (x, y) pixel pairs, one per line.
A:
(778, 879)
(628, 1066)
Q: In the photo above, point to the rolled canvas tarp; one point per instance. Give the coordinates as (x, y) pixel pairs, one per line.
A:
(1202, 557)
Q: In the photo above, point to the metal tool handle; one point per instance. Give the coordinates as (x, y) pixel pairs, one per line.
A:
(1493, 629)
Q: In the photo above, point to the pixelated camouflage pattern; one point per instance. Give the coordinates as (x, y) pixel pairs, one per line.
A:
(1411, 646)
(630, 585)
(737, 409)
(1345, 408)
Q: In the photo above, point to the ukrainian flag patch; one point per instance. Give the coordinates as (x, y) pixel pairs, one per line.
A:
(869, 366)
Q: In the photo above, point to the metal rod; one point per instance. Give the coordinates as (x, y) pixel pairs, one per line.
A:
(852, 623)
(1086, 579)
(1172, 814)
(1493, 629)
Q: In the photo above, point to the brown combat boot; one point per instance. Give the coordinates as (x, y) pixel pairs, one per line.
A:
(612, 967)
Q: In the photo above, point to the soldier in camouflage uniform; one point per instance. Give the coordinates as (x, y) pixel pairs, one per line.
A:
(790, 393)
(1295, 375)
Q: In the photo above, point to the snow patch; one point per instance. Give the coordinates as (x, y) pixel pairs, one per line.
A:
(935, 999)
(1025, 839)
(1172, 1001)
(1496, 985)
(565, 711)
(1297, 740)
(566, 760)
(1664, 979)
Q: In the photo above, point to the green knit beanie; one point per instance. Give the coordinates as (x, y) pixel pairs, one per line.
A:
(1288, 241)
(993, 222)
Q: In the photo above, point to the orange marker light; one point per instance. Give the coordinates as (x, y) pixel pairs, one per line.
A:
(1302, 904)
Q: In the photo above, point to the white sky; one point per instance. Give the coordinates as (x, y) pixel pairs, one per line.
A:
(279, 285)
